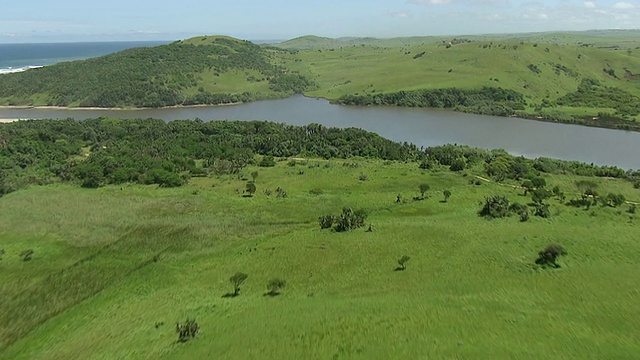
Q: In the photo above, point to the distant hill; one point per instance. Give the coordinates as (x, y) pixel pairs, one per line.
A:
(622, 39)
(201, 70)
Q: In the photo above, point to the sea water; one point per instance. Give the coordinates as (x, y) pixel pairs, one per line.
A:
(20, 57)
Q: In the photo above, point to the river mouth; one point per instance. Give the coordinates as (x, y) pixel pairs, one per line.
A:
(423, 127)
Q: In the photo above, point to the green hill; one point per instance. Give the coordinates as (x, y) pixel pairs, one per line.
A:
(541, 73)
(106, 273)
(203, 70)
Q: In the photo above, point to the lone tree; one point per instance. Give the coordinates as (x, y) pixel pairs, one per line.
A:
(423, 189)
(274, 286)
(402, 262)
(251, 188)
(187, 330)
(1, 253)
(236, 280)
(550, 254)
(254, 176)
(447, 195)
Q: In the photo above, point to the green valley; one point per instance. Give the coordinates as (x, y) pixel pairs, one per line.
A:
(546, 73)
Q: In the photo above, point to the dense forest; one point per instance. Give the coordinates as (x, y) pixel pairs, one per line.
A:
(150, 77)
(487, 101)
(96, 152)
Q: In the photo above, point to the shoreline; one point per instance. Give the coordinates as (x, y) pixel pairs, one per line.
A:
(93, 108)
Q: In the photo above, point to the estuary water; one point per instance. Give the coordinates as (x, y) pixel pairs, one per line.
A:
(423, 127)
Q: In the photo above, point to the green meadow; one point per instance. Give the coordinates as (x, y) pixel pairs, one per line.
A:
(115, 268)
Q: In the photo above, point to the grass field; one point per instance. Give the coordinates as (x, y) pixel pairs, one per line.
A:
(470, 290)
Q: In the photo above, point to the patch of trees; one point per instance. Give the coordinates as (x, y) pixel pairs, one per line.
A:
(500, 165)
(96, 152)
(488, 100)
(591, 93)
(346, 221)
(498, 206)
(148, 77)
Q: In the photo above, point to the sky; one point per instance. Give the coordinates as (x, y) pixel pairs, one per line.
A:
(86, 20)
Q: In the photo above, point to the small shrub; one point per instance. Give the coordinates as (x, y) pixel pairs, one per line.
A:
(363, 177)
(326, 221)
(274, 286)
(281, 193)
(267, 161)
(550, 254)
(542, 210)
(495, 207)
(316, 191)
(447, 195)
(26, 255)
(632, 209)
(402, 263)
(187, 330)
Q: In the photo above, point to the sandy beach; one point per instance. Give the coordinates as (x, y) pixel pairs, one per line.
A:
(9, 120)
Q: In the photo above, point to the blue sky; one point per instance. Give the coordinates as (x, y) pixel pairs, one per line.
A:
(75, 20)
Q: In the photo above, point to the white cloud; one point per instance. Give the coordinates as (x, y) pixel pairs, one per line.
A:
(589, 4)
(623, 6)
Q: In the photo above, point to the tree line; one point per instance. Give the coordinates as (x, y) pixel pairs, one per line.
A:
(102, 151)
(487, 101)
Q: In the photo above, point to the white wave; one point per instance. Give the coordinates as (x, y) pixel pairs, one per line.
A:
(11, 70)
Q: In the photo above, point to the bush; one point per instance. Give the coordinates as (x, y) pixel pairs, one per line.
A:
(187, 330)
(274, 286)
(550, 254)
(348, 220)
(26, 255)
(402, 263)
(495, 207)
(326, 221)
(267, 161)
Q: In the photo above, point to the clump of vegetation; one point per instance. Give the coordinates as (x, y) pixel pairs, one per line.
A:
(363, 177)
(250, 188)
(187, 330)
(326, 221)
(26, 255)
(267, 161)
(274, 286)
(495, 207)
(402, 263)
(347, 220)
(550, 254)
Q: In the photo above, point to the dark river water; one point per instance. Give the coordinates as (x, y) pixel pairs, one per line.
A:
(423, 127)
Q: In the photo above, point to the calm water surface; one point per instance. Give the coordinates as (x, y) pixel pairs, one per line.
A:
(423, 127)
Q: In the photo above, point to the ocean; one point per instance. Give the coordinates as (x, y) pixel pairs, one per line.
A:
(19, 57)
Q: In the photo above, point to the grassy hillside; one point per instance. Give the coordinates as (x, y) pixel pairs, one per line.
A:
(607, 39)
(115, 268)
(203, 70)
(107, 272)
(543, 73)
